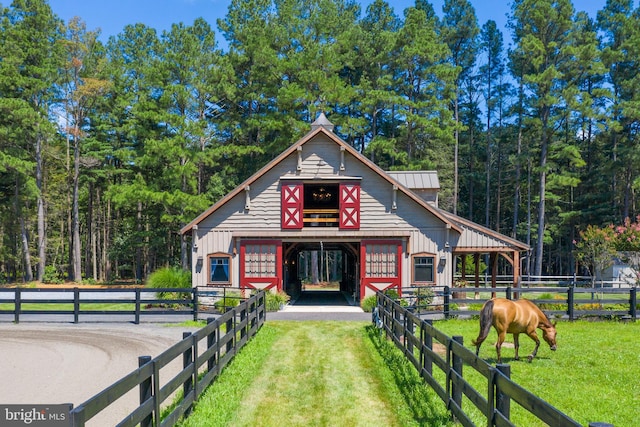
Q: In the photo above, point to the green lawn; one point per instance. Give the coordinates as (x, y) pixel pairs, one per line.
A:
(342, 374)
(592, 377)
(318, 374)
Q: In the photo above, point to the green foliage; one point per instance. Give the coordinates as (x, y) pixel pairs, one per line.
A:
(231, 299)
(596, 248)
(276, 299)
(166, 124)
(170, 277)
(423, 297)
(369, 303)
(51, 275)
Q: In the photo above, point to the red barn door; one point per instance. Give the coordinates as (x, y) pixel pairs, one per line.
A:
(380, 266)
(292, 201)
(350, 206)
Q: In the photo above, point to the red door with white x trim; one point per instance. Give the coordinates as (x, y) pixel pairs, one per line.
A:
(350, 206)
(380, 266)
(292, 201)
(261, 264)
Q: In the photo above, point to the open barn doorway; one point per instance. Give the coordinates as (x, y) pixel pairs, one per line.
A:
(321, 273)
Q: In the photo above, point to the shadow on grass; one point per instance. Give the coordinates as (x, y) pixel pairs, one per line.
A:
(426, 407)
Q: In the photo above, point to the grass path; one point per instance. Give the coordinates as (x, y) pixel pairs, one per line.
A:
(318, 374)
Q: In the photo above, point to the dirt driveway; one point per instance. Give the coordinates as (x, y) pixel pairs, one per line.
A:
(43, 363)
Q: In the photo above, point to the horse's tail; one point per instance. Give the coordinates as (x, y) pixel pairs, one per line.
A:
(486, 317)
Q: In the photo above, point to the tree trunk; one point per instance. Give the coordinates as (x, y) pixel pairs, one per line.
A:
(24, 236)
(76, 249)
(42, 232)
(455, 156)
(541, 204)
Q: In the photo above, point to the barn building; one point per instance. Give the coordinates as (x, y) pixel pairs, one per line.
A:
(365, 228)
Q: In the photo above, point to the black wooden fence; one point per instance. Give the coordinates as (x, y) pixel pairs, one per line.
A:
(415, 337)
(220, 340)
(569, 302)
(76, 302)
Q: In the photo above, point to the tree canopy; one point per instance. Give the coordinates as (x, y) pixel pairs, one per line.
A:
(109, 148)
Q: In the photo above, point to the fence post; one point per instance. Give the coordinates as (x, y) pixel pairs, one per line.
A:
(456, 365)
(76, 305)
(570, 299)
(253, 311)
(503, 403)
(137, 315)
(212, 339)
(195, 304)
(446, 302)
(427, 340)
(633, 303)
(187, 357)
(408, 331)
(396, 322)
(243, 316)
(231, 330)
(146, 392)
(508, 293)
(17, 306)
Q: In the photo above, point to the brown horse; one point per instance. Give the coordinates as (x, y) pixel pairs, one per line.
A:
(514, 317)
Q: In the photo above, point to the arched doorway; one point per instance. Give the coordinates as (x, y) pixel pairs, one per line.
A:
(322, 271)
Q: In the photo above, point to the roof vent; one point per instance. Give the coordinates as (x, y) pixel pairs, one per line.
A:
(322, 121)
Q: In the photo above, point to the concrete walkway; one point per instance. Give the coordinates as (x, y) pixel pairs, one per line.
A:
(321, 305)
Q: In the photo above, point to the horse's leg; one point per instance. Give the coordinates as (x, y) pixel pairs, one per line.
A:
(516, 344)
(534, 337)
(501, 336)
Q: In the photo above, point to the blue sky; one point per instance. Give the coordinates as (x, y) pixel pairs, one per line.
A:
(113, 15)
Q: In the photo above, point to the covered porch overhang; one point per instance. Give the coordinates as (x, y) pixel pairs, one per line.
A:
(510, 254)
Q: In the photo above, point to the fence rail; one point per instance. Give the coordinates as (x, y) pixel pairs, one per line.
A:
(76, 302)
(415, 337)
(570, 302)
(223, 337)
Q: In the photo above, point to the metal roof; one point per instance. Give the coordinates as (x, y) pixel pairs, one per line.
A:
(416, 180)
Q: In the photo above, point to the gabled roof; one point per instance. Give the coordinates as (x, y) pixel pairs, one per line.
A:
(322, 126)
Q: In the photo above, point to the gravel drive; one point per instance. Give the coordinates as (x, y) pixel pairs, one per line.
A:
(43, 363)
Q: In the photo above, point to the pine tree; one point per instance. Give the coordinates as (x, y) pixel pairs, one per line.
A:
(30, 54)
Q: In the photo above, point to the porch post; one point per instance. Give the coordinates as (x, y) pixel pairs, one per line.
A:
(516, 273)
(476, 260)
(493, 260)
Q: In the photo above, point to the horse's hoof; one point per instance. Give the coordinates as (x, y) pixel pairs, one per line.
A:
(516, 358)
(529, 359)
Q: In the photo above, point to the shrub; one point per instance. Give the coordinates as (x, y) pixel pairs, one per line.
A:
(423, 297)
(392, 293)
(275, 300)
(368, 303)
(231, 299)
(51, 275)
(170, 277)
